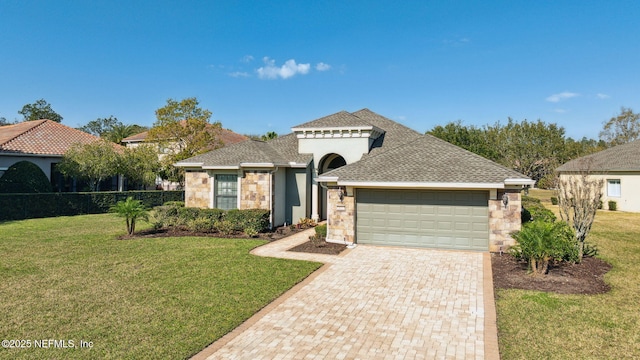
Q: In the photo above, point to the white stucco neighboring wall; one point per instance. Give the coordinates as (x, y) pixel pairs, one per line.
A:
(629, 199)
(43, 162)
(351, 149)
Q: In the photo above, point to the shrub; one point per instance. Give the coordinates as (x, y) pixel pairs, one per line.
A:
(24, 177)
(200, 224)
(540, 242)
(305, 223)
(533, 210)
(225, 227)
(212, 214)
(174, 203)
(554, 200)
(186, 214)
(131, 210)
(321, 231)
(250, 220)
(613, 206)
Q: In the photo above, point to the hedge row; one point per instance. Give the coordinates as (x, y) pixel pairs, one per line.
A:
(227, 222)
(29, 206)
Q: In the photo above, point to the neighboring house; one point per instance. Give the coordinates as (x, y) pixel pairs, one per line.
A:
(226, 137)
(619, 167)
(42, 142)
(375, 182)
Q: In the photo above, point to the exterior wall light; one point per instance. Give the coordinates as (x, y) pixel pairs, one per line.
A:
(505, 200)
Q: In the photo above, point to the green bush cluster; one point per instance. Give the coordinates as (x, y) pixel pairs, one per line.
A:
(321, 231)
(24, 177)
(250, 221)
(541, 242)
(554, 200)
(533, 209)
(40, 205)
(613, 206)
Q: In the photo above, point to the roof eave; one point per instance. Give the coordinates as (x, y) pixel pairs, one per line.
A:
(412, 185)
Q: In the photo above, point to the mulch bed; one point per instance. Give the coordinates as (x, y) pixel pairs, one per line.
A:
(277, 234)
(584, 278)
(326, 248)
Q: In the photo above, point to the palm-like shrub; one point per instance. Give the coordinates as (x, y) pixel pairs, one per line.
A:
(540, 242)
(131, 210)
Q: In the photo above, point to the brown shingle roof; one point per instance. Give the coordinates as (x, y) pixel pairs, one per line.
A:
(425, 159)
(43, 137)
(625, 157)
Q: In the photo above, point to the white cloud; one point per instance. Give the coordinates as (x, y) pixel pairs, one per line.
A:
(289, 69)
(239, 74)
(560, 111)
(322, 66)
(602, 96)
(246, 59)
(562, 96)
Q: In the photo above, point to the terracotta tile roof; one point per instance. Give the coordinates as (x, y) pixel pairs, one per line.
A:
(44, 137)
(625, 157)
(227, 137)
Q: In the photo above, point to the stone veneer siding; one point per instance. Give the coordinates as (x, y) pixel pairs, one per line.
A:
(340, 217)
(254, 190)
(199, 185)
(504, 220)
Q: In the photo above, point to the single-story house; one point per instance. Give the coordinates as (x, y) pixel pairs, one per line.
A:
(619, 167)
(374, 180)
(224, 136)
(42, 142)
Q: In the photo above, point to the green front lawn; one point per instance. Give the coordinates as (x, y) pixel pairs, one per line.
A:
(68, 278)
(551, 326)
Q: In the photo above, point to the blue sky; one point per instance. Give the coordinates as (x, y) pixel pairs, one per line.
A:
(267, 66)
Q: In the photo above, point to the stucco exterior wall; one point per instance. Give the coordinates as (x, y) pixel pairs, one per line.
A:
(341, 220)
(199, 193)
(629, 199)
(351, 149)
(43, 162)
(504, 220)
(255, 190)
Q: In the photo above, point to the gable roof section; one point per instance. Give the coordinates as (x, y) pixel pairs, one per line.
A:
(41, 137)
(625, 157)
(425, 161)
(227, 137)
(279, 151)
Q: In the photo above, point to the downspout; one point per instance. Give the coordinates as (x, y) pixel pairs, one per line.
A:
(271, 197)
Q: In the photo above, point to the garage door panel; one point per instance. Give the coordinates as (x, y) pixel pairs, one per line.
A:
(421, 218)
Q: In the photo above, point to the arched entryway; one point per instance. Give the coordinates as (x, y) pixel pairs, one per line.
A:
(329, 162)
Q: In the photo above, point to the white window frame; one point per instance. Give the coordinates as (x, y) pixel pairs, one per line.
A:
(216, 183)
(614, 188)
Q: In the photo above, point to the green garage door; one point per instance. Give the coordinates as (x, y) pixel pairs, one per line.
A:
(423, 218)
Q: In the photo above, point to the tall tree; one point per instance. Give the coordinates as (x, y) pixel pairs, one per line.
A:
(100, 126)
(270, 135)
(39, 110)
(183, 130)
(579, 198)
(111, 129)
(95, 162)
(621, 129)
(139, 165)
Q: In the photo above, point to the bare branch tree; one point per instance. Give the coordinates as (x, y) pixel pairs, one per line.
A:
(579, 196)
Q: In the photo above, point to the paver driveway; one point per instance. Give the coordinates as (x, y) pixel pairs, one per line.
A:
(374, 303)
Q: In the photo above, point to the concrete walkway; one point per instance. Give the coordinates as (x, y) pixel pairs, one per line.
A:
(373, 303)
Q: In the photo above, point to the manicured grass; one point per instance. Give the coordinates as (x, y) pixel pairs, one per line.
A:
(68, 278)
(607, 326)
